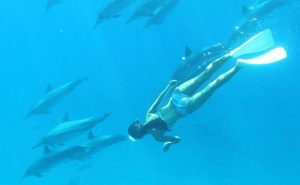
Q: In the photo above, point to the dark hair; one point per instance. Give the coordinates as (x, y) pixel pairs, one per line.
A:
(136, 130)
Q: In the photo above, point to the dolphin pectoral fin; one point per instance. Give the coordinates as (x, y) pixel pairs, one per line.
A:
(91, 135)
(39, 175)
(47, 150)
(66, 118)
(37, 145)
(88, 157)
(45, 112)
(107, 114)
(49, 88)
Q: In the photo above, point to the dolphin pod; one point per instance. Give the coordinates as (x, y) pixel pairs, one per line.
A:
(70, 129)
(192, 64)
(53, 96)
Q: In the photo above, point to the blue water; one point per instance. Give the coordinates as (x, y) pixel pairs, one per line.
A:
(246, 134)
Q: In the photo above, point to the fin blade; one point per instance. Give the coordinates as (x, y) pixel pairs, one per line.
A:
(258, 43)
(270, 57)
(66, 118)
(47, 150)
(91, 135)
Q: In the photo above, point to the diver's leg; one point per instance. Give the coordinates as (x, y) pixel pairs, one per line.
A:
(189, 87)
(167, 140)
(199, 98)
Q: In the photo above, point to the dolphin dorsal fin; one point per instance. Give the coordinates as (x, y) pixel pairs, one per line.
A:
(49, 88)
(245, 10)
(47, 150)
(66, 118)
(188, 52)
(91, 135)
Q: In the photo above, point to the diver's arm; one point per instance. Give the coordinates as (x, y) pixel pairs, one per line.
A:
(157, 102)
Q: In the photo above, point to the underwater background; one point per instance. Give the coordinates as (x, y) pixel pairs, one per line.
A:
(246, 134)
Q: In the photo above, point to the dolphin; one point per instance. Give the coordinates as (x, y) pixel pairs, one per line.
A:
(53, 97)
(112, 10)
(252, 18)
(162, 13)
(147, 8)
(262, 8)
(51, 159)
(96, 144)
(69, 129)
(194, 63)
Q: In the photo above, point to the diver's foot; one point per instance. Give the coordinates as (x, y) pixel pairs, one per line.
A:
(176, 140)
(167, 146)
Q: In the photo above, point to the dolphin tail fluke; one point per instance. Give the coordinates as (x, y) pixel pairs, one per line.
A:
(270, 57)
(258, 43)
(23, 177)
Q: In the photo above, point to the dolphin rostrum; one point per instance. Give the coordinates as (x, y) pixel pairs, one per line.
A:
(69, 129)
(53, 97)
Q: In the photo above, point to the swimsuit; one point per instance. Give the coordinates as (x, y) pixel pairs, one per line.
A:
(180, 101)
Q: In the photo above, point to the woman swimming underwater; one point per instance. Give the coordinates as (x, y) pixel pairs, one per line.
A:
(186, 99)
